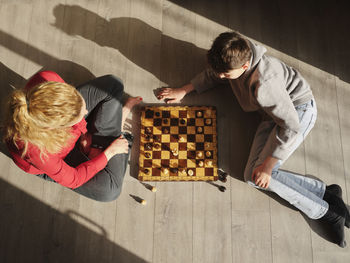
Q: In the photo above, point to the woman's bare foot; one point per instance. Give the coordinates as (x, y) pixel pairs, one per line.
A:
(129, 105)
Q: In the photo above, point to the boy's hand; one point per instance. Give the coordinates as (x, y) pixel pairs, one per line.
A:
(171, 95)
(262, 174)
(174, 95)
(261, 177)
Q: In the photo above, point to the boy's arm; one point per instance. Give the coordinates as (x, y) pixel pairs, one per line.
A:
(203, 81)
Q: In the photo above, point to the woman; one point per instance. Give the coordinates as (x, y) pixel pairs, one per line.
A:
(48, 136)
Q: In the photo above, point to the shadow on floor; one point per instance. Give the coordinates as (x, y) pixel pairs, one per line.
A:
(71, 72)
(315, 32)
(32, 231)
(137, 41)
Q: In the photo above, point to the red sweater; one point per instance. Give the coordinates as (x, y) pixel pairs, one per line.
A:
(54, 164)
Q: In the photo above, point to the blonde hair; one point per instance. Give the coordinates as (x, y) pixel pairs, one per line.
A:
(40, 116)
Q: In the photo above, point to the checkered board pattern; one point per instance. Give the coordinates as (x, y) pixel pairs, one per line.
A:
(190, 132)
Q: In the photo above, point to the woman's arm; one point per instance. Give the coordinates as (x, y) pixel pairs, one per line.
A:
(72, 177)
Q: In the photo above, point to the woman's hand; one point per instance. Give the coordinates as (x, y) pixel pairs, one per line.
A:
(118, 146)
(85, 143)
(174, 95)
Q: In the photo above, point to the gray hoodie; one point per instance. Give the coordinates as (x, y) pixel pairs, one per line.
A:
(269, 85)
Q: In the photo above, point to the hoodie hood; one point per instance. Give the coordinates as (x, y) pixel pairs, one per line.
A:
(257, 53)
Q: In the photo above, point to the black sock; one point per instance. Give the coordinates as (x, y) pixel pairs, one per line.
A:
(333, 195)
(335, 218)
(335, 190)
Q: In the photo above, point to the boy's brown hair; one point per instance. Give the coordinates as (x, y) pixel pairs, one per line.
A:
(229, 51)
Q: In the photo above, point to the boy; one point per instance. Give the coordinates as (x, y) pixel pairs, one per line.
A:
(263, 83)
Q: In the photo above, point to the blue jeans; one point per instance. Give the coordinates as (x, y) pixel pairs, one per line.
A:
(304, 193)
(103, 97)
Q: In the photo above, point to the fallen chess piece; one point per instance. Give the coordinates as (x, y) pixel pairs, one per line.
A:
(220, 187)
(150, 187)
(139, 199)
(222, 175)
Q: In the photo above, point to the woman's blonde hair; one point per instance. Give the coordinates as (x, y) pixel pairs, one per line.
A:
(40, 116)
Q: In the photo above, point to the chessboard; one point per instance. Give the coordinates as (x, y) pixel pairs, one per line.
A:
(178, 143)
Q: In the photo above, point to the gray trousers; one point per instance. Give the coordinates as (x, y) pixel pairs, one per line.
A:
(304, 193)
(103, 97)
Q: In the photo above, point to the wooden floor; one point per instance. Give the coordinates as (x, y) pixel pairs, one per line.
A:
(153, 43)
